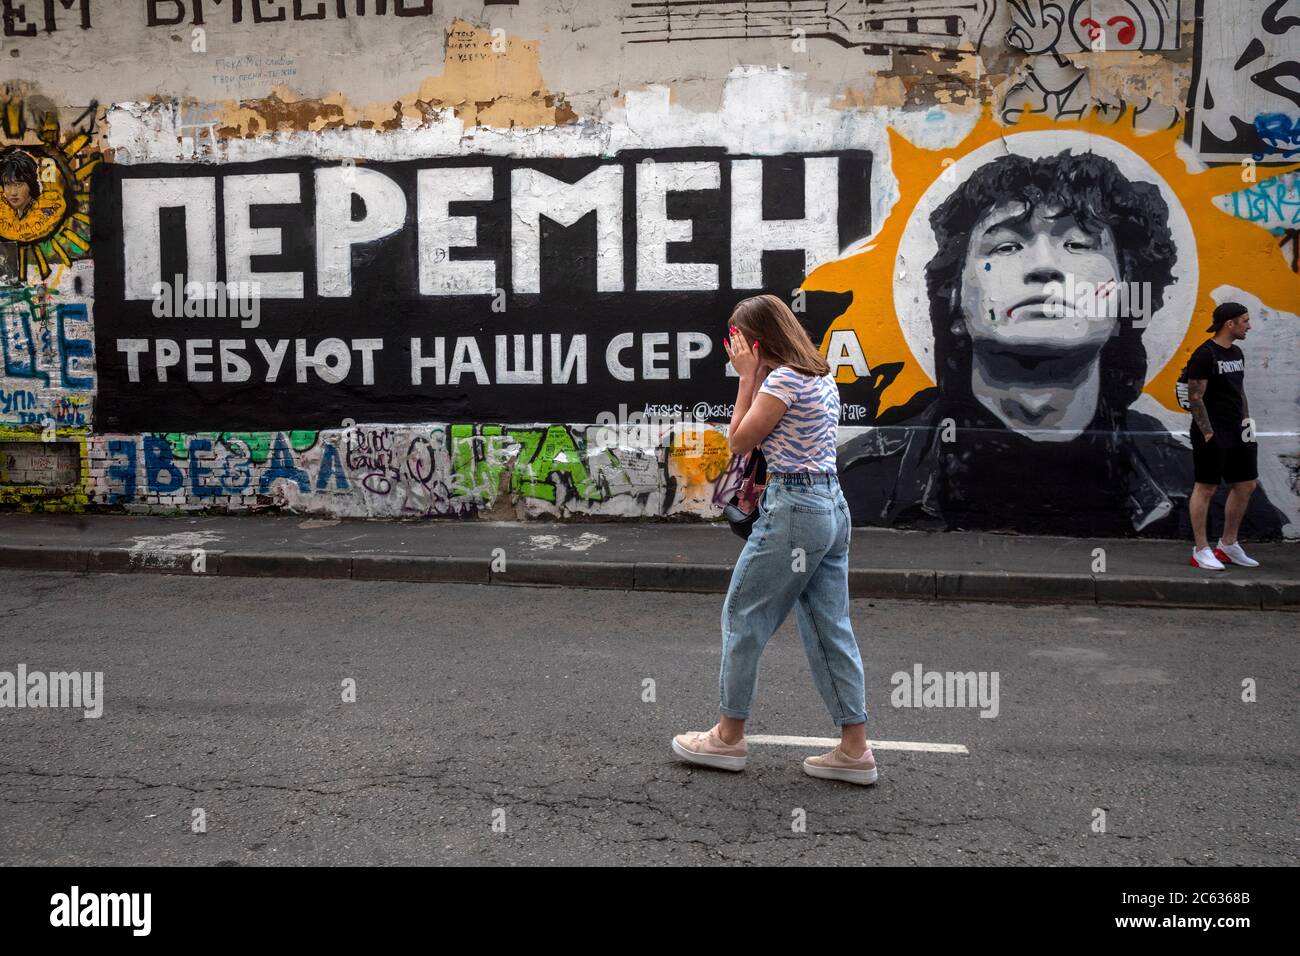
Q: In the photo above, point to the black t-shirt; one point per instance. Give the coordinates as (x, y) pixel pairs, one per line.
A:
(1225, 371)
(995, 478)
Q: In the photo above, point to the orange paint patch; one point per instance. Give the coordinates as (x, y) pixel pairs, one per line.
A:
(699, 458)
(487, 80)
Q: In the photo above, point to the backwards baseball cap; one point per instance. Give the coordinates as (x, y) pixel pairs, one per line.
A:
(1224, 312)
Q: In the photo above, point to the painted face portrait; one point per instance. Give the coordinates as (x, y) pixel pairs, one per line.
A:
(18, 194)
(20, 181)
(1014, 257)
(32, 210)
(1027, 251)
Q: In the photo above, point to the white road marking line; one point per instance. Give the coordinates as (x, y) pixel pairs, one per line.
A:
(919, 745)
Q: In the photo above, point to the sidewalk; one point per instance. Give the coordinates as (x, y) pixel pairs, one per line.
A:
(660, 555)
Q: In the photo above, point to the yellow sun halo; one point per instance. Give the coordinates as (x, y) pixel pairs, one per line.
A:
(1230, 251)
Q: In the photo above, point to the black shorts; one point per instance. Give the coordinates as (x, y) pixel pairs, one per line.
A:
(1226, 457)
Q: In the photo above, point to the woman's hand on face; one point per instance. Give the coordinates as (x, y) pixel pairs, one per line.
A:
(744, 357)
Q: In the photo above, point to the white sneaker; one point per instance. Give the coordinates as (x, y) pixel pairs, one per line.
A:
(1205, 559)
(1233, 554)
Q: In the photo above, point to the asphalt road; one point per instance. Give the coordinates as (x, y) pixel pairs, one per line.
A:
(507, 725)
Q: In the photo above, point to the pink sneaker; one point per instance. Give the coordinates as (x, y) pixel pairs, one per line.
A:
(707, 748)
(837, 765)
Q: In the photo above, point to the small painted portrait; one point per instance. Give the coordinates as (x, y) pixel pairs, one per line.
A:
(33, 208)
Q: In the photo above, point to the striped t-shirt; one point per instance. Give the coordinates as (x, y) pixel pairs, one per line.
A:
(804, 438)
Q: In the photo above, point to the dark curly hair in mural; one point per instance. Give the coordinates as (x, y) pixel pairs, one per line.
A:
(1088, 187)
(18, 167)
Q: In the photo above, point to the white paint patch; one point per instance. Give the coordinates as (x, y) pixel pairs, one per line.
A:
(548, 542)
(913, 745)
(764, 110)
(168, 550)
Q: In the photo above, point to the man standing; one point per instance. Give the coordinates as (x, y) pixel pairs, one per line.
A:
(1223, 437)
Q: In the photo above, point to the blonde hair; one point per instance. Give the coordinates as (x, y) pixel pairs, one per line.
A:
(781, 339)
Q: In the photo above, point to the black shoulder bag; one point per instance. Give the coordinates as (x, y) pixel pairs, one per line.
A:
(742, 511)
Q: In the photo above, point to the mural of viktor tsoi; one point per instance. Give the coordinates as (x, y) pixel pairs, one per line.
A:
(31, 211)
(1030, 426)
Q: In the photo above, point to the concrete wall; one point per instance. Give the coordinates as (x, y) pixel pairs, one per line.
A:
(479, 238)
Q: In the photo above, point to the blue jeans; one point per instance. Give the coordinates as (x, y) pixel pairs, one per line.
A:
(796, 554)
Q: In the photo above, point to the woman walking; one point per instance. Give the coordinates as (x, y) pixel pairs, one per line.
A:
(797, 554)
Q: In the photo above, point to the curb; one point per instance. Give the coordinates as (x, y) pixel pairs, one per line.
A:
(700, 578)
(421, 568)
(589, 574)
(890, 582)
(37, 558)
(1180, 592)
(258, 564)
(1007, 587)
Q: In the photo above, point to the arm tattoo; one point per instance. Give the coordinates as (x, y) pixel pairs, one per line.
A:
(1196, 398)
